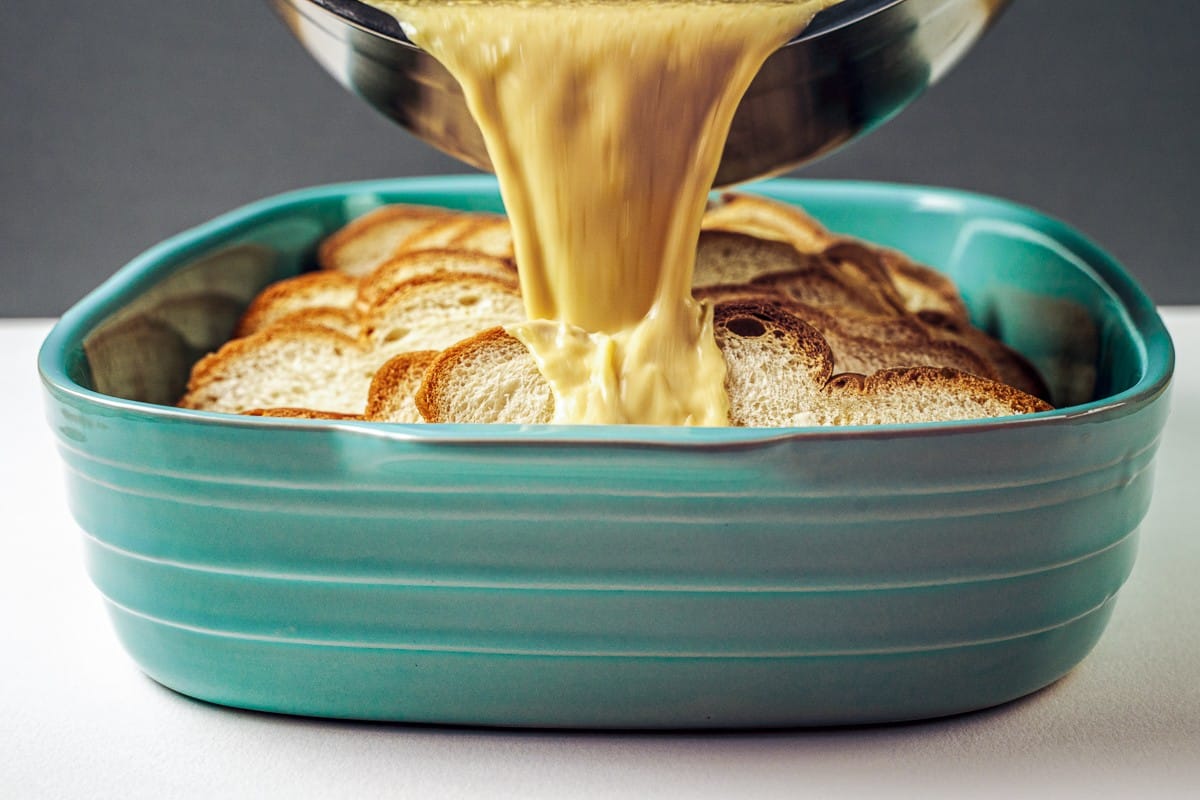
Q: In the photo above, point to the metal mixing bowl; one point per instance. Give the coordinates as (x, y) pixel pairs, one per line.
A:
(857, 64)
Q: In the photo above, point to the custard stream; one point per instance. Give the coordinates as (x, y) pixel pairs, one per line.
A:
(604, 122)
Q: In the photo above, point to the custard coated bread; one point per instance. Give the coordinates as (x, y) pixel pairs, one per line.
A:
(813, 328)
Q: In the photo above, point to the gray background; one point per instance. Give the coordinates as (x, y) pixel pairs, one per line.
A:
(126, 121)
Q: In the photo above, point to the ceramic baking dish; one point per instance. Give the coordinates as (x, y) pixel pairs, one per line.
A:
(628, 577)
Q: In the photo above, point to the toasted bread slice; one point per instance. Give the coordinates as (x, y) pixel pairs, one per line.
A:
(363, 244)
(438, 235)
(725, 259)
(298, 366)
(729, 258)
(392, 392)
(1010, 366)
(299, 413)
(913, 392)
(490, 235)
(921, 394)
(435, 311)
(904, 284)
(490, 377)
(400, 269)
(306, 291)
(346, 321)
(766, 219)
(776, 365)
(866, 343)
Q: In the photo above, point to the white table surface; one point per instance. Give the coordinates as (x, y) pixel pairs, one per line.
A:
(77, 718)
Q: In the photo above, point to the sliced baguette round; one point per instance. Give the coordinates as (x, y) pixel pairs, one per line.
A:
(394, 387)
(306, 291)
(298, 366)
(299, 413)
(490, 235)
(399, 270)
(366, 242)
(490, 377)
(776, 364)
(921, 394)
(764, 218)
(432, 312)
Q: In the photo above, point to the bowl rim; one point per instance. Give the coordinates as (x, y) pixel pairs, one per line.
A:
(1155, 349)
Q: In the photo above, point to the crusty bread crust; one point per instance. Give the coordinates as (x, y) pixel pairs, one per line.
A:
(433, 311)
(296, 363)
(490, 235)
(394, 387)
(299, 413)
(367, 241)
(514, 389)
(766, 219)
(924, 394)
(286, 297)
(400, 269)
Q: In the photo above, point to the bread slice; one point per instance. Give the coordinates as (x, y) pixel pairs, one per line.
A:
(776, 365)
(440, 234)
(299, 413)
(1010, 366)
(904, 283)
(298, 366)
(365, 243)
(490, 377)
(921, 394)
(306, 291)
(386, 278)
(346, 321)
(435, 311)
(392, 392)
(764, 218)
(866, 343)
(490, 235)
(725, 260)
(922, 288)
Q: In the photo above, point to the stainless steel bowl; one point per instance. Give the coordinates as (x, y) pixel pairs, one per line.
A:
(857, 65)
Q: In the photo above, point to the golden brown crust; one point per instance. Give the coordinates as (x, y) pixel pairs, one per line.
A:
(404, 268)
(299, 413)
(854, 322)
(923, 288)
(213, 365)
(490, 235)
(438, 234)
(943, 382)
(766, 218)
(345, 321)
(396, 383)
(1010, 366)
(382, 313)
(750, 319)
(283, 298)
(330, 248)
(429, 396)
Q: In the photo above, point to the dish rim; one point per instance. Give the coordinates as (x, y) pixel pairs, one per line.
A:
(1154, 347)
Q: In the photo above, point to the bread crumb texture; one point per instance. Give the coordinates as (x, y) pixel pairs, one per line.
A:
(403, 320)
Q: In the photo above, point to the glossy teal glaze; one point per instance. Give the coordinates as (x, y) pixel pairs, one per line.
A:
(623, 576)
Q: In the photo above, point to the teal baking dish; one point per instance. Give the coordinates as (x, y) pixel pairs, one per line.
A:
(621, 577)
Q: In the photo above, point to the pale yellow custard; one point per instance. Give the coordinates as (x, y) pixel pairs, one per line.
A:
(604, 122)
